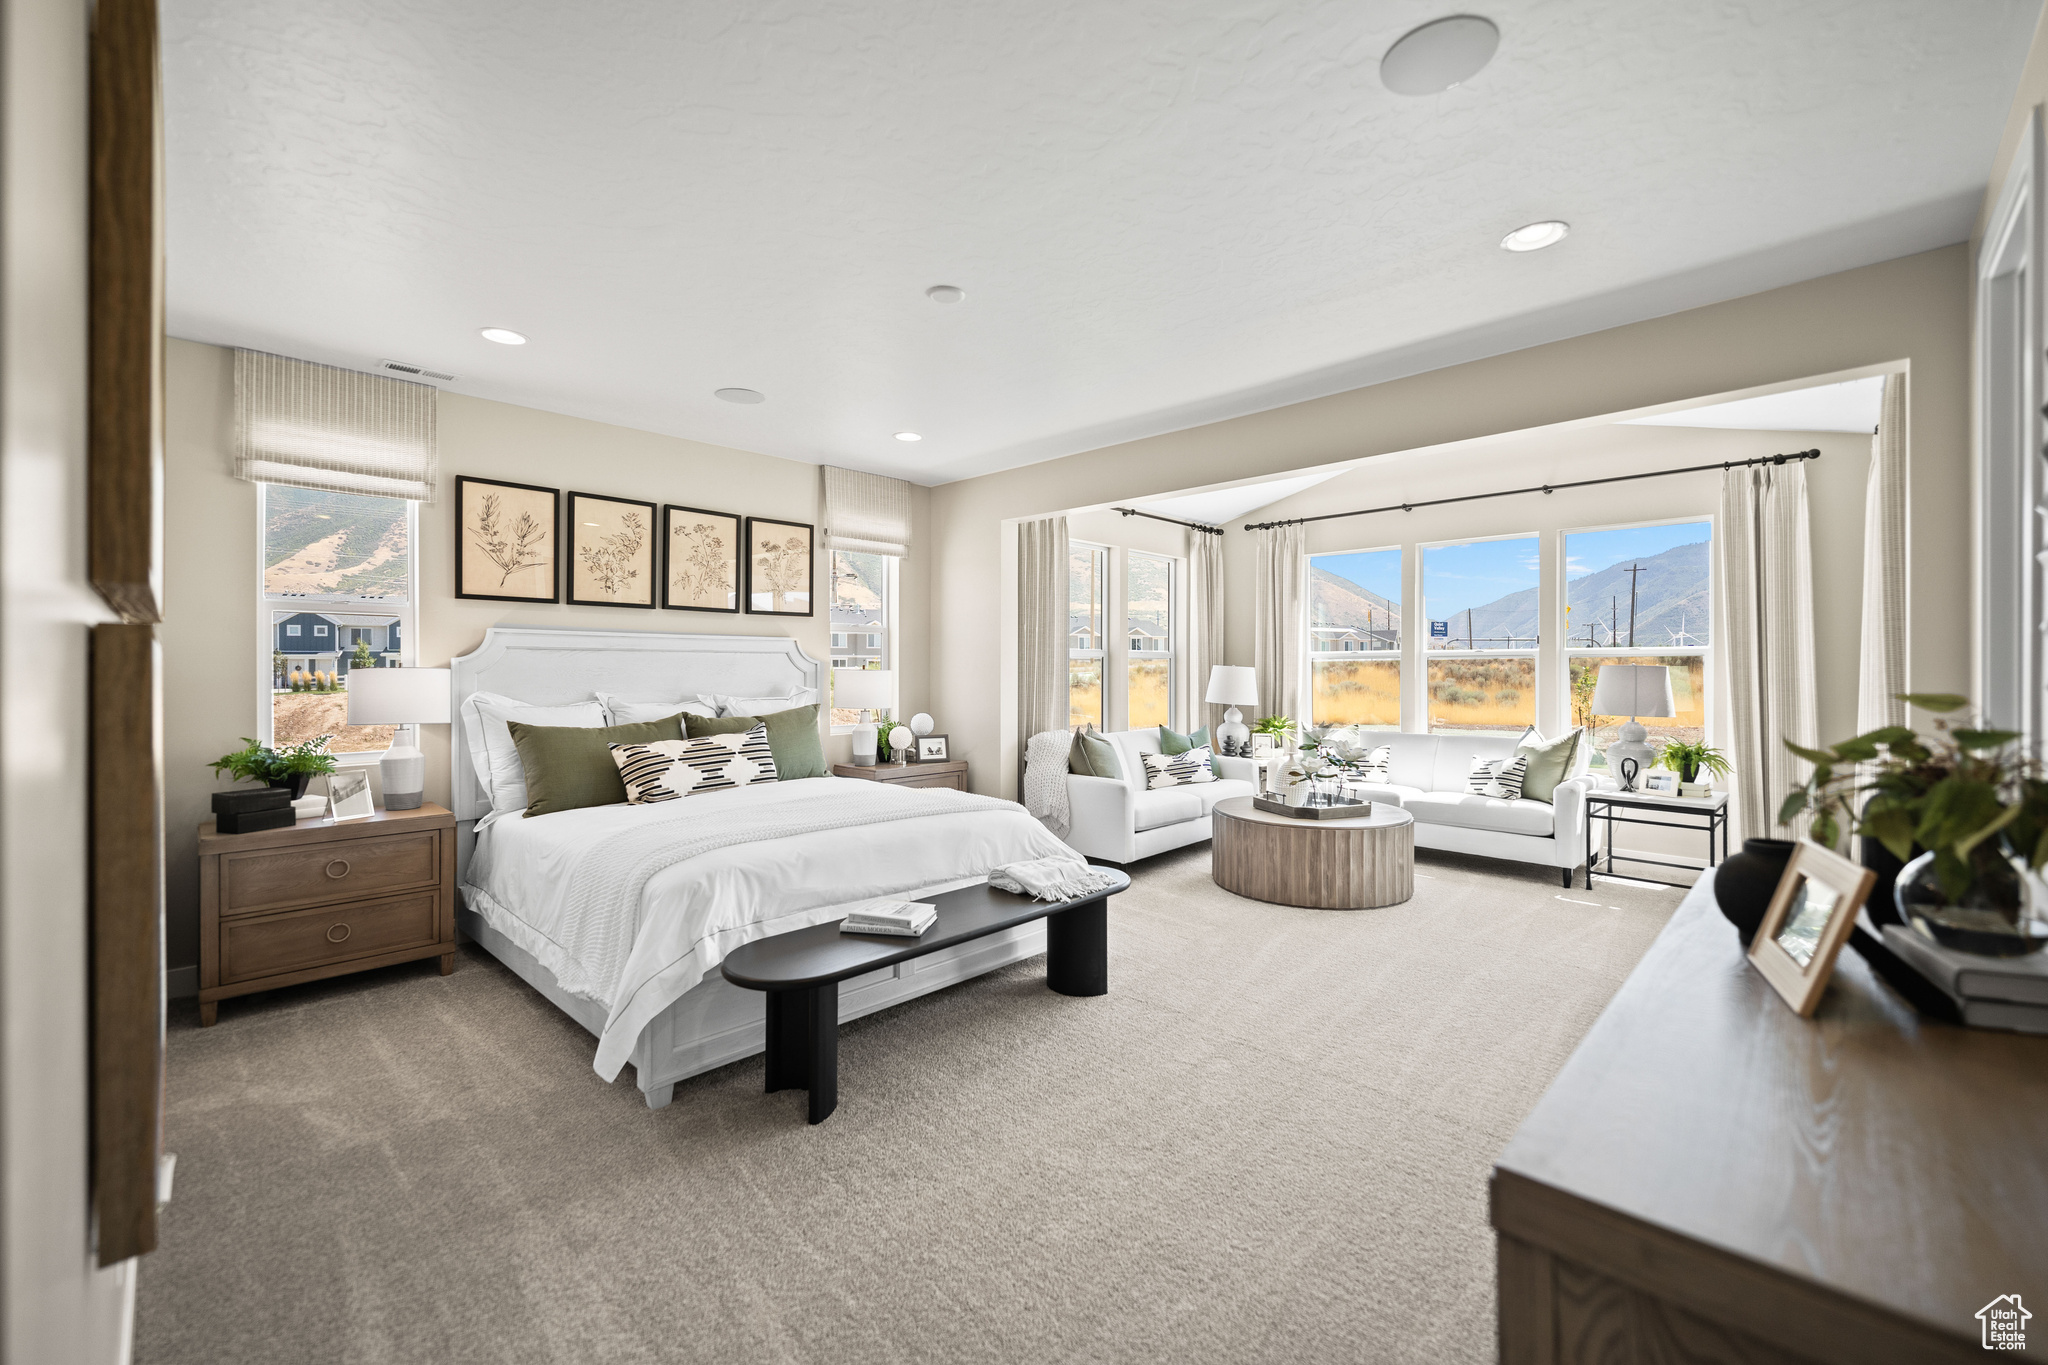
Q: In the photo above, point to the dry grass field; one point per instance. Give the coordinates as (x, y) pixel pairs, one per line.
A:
(298, 716)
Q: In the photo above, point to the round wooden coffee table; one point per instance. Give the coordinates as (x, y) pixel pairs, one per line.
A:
(1318, 864)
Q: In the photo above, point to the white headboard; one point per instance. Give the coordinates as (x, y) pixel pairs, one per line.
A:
(554, 666)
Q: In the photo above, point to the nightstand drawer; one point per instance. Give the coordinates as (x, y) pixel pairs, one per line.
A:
(350, 868)
(252, 947)
(949, 780)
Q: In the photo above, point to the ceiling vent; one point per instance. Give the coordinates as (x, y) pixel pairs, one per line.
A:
(415, 371)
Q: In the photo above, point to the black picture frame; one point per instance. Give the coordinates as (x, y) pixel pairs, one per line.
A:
(573, 528)
(668, 549)
(463, 531)
(917, 749)
(810, 568)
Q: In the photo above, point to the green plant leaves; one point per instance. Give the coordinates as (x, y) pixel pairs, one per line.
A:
(1975, 741)
(1890, 824)
(1941, 703)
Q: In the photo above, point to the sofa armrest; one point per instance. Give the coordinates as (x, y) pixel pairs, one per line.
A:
(1238, 769)
(1569, 804)
(1104, 802)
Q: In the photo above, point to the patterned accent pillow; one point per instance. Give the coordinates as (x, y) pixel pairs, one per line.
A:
(670, 769)
(1510, 778)
(1176, 770)
(1379, 765)
(1497, 777)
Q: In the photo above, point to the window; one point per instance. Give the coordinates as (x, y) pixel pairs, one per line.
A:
(337, 595)
(1480, 599)
(863, 604)
(1087, 633)
(1354, 639)
(1148, 640)
(1639, 595)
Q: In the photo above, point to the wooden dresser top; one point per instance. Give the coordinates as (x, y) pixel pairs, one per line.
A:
(427, 816)
(1897, 1160)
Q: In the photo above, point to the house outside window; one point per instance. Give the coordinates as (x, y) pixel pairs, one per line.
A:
(1640, 595)
(1087, 633)
(1354, 639)
(1148, 640)
(863, 607)
(1480, 605)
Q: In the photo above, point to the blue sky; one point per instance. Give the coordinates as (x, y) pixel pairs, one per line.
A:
(1374, 570)
(1591, 551)
(1455, 577)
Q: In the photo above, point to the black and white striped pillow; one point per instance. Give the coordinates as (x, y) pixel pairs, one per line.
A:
(669, 769)
(1498, 777)
(1175, 770)
(1379, 765)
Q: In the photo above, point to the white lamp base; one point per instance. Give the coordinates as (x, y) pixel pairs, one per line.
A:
(404, 769)
(1632, 748)
(864, 743)
(1233, 730)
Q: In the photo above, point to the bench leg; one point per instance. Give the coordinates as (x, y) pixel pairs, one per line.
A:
(803, 1045)
(1077, 949)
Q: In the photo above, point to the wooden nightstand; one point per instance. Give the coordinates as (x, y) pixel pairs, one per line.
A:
(952, 774)
(323, 898)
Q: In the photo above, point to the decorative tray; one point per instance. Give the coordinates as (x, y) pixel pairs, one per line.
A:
(1339, 809)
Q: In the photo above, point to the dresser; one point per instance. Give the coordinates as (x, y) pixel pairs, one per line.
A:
(951, 774)
(323, 898)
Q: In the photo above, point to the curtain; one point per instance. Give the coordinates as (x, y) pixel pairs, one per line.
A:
(867, 513)
(1883, 673)
(1041, 627)
(1767, 635)
(1277, 629)
(1205, 628)
(316, 426)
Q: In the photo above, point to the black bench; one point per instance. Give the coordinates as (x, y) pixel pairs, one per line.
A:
(801, 971)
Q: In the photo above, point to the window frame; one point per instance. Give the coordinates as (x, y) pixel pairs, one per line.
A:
(839, 642)
(406, 610)
(1121, 634)
(1398, 655)
(1106, 559)
(1425, 655)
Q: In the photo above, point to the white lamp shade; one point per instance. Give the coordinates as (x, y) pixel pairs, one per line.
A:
(1233, 685)
(1633, 690)
(398, 696)
(863, 689)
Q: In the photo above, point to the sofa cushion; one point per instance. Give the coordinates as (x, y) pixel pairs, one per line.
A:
(1385, 793)
(1222, 789)
(1168, 806)
(1454, 755)
(1535, 818)
(1131, 746)
(1412, 760)
(1550, 762)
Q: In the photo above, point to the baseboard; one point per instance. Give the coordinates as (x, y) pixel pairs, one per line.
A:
(181, 982)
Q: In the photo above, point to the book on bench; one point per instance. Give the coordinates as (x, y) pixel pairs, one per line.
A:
(905, 919)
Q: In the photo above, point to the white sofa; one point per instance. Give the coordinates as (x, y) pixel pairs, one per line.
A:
(1428, 777)
(1117, 820)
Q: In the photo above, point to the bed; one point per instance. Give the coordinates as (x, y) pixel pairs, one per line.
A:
(619, 915)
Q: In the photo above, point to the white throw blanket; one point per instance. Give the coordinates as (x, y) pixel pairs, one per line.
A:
(1051, 879)
(1045, 779)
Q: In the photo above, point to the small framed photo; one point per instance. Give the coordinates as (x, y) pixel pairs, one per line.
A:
(505, 541)
(348, 795)
(700, 559)
(1808, 922)
(611, 544)
(931, 749)
(779, 567)
(1262, 745)
(1661, 784)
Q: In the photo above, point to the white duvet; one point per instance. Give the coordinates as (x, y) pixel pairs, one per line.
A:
(636, 952)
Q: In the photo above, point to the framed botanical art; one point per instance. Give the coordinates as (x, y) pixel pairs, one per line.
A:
(700, 559)
(779, 567)
(505, 541)
(611, 551)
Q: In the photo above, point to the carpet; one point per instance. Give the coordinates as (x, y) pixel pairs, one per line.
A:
(1269, 1142)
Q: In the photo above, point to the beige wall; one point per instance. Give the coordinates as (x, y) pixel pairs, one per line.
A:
(59, 1309)
(1912, 311)
(212, 648)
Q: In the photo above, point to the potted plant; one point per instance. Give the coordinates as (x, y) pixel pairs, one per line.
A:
(293, 767)
(1690, 760)
(1280, 728)
(1969, 801)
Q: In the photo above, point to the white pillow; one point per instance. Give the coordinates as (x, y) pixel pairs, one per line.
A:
(625, 712)
(761, 706)
(485, 724)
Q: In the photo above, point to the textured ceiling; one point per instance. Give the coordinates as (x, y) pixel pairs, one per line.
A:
(1163, 213)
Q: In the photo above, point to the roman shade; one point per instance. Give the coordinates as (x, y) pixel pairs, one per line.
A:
(317, 426)
(866, 513)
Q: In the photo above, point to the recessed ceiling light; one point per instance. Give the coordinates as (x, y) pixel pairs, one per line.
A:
(503, 336)
(908, 436)
(740, 395)
(1441, 54)
(945, 293)
(1535, 236)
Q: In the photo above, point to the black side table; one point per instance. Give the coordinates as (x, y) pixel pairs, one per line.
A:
(1708, 813)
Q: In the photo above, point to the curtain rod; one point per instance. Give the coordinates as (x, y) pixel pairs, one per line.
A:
(1191, 525)
(1539, 488)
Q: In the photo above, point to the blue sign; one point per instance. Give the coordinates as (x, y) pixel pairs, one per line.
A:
(1439, 630)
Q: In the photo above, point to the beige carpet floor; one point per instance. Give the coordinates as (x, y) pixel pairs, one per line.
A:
(1269, 1142)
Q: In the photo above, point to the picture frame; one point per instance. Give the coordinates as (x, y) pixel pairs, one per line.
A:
(1808, 921)
(348, 795)
(1262, 746)
(931, 749)
(1661, 784)
(506, 537)
(781, 567)
(700, 559)
(611, 551)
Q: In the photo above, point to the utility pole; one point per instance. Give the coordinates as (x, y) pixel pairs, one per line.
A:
(1633, 570)
(1613, 620)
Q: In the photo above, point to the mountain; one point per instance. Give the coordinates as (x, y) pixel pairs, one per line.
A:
(1671, 596)
(1335, 601)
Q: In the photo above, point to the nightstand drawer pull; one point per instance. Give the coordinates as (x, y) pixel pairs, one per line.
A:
(342, 937)
(370, 864)
(341, 863)
(255, 946)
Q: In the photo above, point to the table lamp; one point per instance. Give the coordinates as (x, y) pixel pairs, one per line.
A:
(870, 690)
(1233, 685)
(407, 698)
(1632, 690)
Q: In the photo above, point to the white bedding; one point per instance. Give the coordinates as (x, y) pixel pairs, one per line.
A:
(636, 961)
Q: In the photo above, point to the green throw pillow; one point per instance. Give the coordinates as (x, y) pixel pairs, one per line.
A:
(1077, 757)
(569, 767)
(1171, 742)
(792, 738)
(1550, 762)
(1100, 756)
